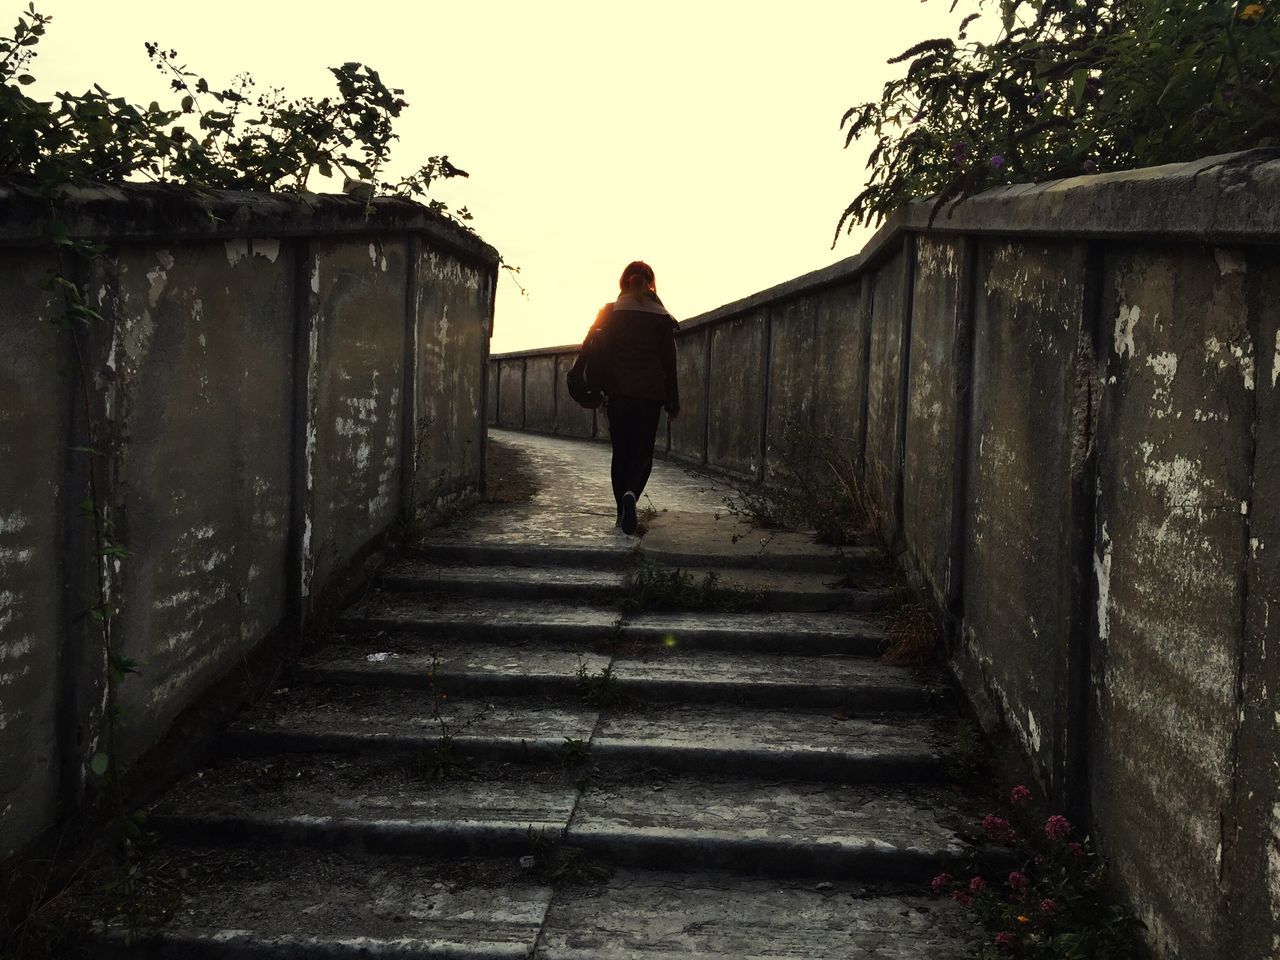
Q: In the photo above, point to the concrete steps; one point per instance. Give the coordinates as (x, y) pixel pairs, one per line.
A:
(256, 904)
(640, 817)
(699, 737)
(858, 685)
(490, 759)
(759, 589)
(597, 625)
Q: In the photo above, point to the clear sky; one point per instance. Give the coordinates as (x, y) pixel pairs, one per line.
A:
(702, 136)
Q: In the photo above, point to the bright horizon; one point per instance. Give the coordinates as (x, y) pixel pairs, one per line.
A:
(704, 140)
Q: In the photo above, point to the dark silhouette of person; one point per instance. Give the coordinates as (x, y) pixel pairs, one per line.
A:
(639, 351)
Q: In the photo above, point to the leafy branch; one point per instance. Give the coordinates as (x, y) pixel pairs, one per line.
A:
(1069, 87)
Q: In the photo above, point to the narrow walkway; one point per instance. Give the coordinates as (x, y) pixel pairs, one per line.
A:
(488, 761)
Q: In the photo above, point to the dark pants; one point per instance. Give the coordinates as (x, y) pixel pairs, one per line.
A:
(633, 426)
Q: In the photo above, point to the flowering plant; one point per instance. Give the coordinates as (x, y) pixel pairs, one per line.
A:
(1052, 907)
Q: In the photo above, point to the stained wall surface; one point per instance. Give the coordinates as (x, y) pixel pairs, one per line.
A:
(252, 386)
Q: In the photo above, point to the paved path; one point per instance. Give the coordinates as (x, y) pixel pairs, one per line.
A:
(488, 760)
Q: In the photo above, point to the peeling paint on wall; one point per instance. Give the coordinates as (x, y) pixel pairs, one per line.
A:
(1126, 320)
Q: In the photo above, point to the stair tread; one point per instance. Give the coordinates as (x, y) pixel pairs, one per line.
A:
(314, 789)
(641, 915)
(370, 714)
(380, 713)
(234, 899)
(388, 657)
(318, 792)
(408, 573)
(396, 610)
(781, 813)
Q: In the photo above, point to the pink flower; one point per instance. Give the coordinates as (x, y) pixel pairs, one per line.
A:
(998, 829)
(962, 898)
(1048, 906)
(941, 882)
(1018, 882)
(1004, 939)
(1057, 827)
(1076, 849)
(1019, 795)
(976, 885)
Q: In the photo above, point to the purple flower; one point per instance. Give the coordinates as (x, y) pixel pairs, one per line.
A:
(1048, 906)
(1089, 166)
(941, 882)
(998, 829)
(1019, 794)
(997, 162)
(1057, 827)
(1077, 850)
(976, 885)
(1018, 881)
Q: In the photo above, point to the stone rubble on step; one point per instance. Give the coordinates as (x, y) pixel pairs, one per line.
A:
(489, 759)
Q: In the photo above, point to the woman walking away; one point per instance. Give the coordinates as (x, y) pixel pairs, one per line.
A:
(639, 350)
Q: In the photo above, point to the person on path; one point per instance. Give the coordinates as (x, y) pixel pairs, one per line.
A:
(638, 347)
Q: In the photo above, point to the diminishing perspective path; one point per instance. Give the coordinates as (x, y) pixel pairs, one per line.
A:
(484, 761)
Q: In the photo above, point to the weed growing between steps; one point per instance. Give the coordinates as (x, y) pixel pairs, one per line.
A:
(816, 485)
(443, 761)
(550, 861)
(1055, 905)
(600, 689)
(653, 586)
(915, 635)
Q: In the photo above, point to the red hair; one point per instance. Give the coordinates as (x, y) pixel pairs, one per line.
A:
(637, 274)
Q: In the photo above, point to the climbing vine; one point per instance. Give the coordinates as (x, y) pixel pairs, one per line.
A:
(1068, 87)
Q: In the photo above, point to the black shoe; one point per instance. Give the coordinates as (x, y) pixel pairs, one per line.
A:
(628, 519)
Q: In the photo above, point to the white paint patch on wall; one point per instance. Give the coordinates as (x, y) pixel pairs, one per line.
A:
(12, 522)
(1102, 577)
(1275, 362)
(158, 276)
(1228, 353)
(267, 248)
(237, 250)
(1165, 367)
(1273, 873)
(1126, 321)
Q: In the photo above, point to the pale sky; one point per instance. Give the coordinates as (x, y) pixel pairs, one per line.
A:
(701, 136)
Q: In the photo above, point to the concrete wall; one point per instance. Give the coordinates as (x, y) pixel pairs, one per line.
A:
(258, 374)
(1064, 402)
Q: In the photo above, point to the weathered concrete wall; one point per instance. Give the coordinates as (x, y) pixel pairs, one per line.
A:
(454, 298)
(883, 454)
(839, 370)
(571, 419)
(688, 431)
(1065, 398)
(34, 439)
(541, 394)
(491, 388)
(511, 394)
(938, 368)
(1027, 323)
(1174, 492)
(736, 394)
(255, 378)
(356, 312)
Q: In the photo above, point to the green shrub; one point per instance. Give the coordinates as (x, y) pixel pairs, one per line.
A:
(1070, 87)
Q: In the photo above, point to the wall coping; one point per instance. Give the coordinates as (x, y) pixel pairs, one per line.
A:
(1231, 198)
(132, 212)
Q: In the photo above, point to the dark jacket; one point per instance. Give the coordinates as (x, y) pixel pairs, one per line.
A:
(639, 345)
